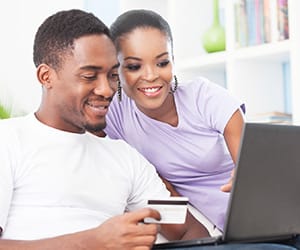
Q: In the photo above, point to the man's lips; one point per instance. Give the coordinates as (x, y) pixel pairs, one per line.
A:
(98, 108)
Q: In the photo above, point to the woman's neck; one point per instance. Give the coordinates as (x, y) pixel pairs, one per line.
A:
(166, 113)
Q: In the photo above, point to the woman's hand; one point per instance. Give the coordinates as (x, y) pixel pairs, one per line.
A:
(227, 187)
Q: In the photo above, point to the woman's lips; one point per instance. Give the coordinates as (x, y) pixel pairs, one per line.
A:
(150, 91)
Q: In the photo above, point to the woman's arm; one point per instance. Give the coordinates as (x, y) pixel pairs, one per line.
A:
(170, 187)
(190, 230)
(232, 134)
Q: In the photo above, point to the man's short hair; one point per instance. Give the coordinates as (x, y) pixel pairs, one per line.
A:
(55, 37)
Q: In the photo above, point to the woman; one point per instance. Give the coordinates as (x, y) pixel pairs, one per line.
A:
(190, 132)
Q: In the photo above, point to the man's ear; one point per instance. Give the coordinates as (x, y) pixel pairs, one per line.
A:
(44, 75)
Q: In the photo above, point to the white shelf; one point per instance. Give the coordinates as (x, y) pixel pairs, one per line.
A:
(207, 61)
(277, 51)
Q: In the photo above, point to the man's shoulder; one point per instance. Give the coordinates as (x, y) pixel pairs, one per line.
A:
(16, 125)
(118, 144)
(13, 122)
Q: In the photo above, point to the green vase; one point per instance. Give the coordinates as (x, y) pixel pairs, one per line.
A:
(4, 112)
(214, 38)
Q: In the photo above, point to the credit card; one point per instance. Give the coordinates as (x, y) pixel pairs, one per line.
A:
(172, 210)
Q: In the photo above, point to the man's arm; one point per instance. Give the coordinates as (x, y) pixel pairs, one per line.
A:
(120, 232)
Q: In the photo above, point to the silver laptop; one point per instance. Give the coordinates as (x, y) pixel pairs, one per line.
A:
(264, 203)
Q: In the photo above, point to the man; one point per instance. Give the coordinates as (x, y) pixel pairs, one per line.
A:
(64, 188)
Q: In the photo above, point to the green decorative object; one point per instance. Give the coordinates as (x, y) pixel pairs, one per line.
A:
(214, 37)
(4, 113)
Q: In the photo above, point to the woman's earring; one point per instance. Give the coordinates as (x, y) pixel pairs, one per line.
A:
(175, 84)
(119, 91)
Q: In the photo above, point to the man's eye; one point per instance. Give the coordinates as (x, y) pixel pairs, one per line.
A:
(114, 77)
(163, 64)
(89, 77)
(133, 67)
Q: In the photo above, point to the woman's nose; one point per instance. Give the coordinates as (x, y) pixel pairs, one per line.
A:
(150, 74)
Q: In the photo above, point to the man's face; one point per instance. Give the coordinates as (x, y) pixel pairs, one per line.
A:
(83, 87)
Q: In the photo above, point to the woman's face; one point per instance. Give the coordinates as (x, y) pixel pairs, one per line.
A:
(146, 66)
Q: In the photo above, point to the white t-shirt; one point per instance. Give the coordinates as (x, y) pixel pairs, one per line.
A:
(54, 182)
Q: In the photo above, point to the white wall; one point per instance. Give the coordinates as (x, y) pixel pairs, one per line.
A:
(106, 10)
(19, 21)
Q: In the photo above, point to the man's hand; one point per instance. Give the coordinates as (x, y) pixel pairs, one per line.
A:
(128, 232)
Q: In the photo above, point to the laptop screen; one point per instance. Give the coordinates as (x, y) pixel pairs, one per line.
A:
(265, 201)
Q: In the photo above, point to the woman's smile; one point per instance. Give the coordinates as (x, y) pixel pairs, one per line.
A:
(151, 91)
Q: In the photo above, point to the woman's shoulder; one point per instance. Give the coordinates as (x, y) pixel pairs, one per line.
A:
(125, 103)
(193, 82)
(198, 83)
(200, 87)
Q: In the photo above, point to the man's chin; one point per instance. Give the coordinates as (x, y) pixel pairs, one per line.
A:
(95, 128)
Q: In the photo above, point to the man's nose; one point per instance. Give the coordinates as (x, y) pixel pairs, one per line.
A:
(104, 88)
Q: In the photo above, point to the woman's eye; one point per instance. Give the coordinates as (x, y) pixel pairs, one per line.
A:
(133, 67)
(163, 64)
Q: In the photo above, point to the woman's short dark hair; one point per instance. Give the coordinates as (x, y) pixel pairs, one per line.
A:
(55, 37)
(133, 19)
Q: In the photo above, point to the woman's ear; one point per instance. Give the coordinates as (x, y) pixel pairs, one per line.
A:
(44, 75)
